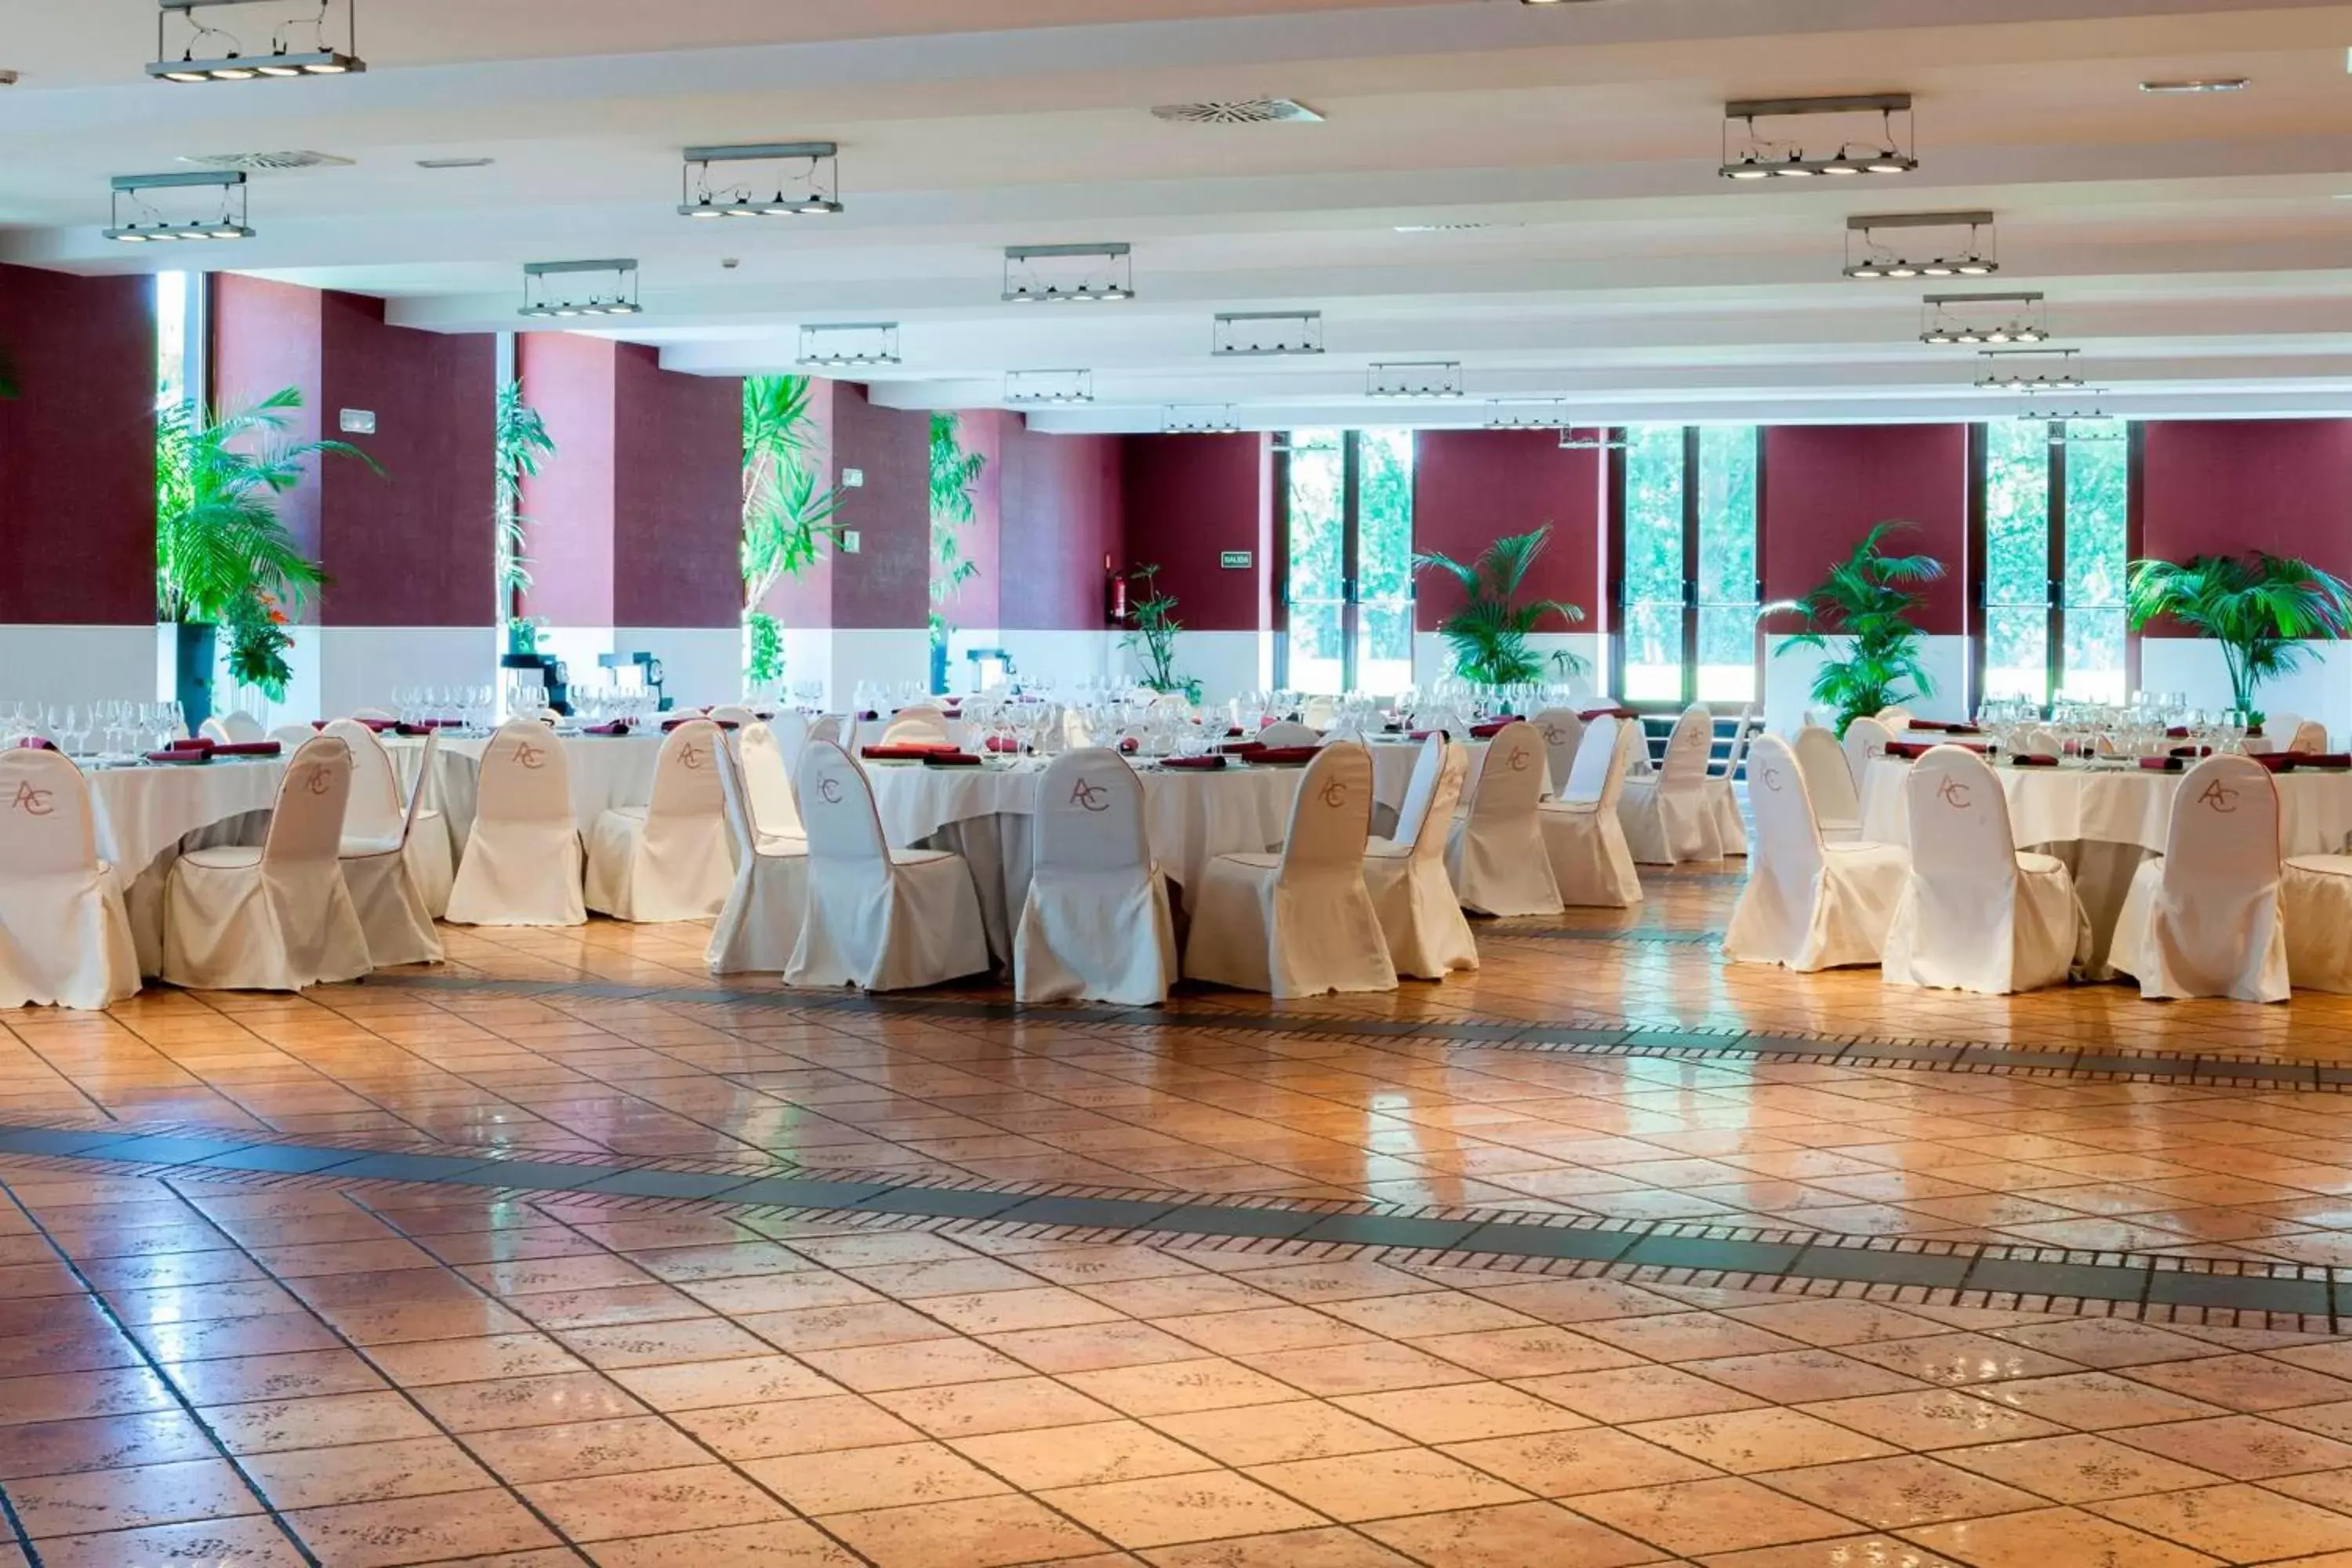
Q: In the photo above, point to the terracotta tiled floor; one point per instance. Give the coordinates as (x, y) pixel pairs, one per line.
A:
(267, 1370)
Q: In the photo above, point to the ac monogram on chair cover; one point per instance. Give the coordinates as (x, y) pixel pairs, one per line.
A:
(1866, 741)
(2203, 918)
(379, 868)
(1584, 836)
(1808, 905)
(1669, 818)
(1495, 856)
(761, 923)
(666, 860)
(1097, 924)
(65, 939)
(1420, 915)
(1563, 732)
(522, 864)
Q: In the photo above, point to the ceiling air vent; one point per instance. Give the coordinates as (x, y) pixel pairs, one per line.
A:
(261, 162)
(1239, 112)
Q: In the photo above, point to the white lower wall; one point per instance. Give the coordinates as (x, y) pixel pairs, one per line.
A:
(2321, 690)
(81, 664)
(1432, 661)
(701, 666)
(1226, 664)
(1789, 682)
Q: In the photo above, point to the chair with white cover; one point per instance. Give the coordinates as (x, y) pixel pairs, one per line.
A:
(2310, 738)
(733, 713)
(1321, 712)
(831, 727)
(1495, 854)
(522, 864)
(1563, 732)
(765, 769)
(279, 917)
(1829, 783)
(761, 922)
(1584, 837)
(2203, 918)
(1866, 741)
(2281, 730)
(922, 725)
(667, 859)
(1668, 818)
(236, 729)
(1895, 717)
(2316, 903)
(1288, 733)
(879, 918)
(373, 716)
(378, 815)
(1808, 904)
(1097, 924)
(790, 732)
(1978, 913)
(1722, 788)
(1419, 916)
(65, 939)
(379, 867)
(1299, 923)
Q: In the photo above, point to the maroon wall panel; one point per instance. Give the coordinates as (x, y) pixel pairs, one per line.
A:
(1188, 500)
(1473, 487)
(979, 603)
(1825, 486)
(678, 495)
(2223, 487)
(413, 546)
(77, 450)
(1063, 514)
(267, 336)
(887, 584)
(568, 379)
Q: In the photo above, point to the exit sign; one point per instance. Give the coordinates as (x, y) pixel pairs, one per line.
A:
(1235, 560)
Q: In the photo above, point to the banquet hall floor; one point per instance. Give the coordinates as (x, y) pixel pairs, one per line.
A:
(1609, 1254)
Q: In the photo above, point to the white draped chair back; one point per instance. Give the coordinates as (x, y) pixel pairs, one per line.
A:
(1895, 717)
(733, 713)
(1097, 924)
(1320, 712)
(1332, 819)
(767, 778)
(829, 727)
(686, 775)
(1808, 904)
(1563, 732)
(1829, 783)
(1866, 741)
(2280, 729)
(376, 814)
(233, 729)
(790, 731)
(1722, 788)
(878, 918)
(2203, 919)
(2310, 738)
(1497, 859)
(1584, 833)
(838, 807)
(395, 912)
(1288, 733)
(1977, 915)
(526, 776)
(669, 859)
(65, 939)
(1689, 749)
(523, 861)
(1668, 816)
(1787, 833)
(374, 715)
(306, 827)
(1961, 843)
(1421, 789)
(1603, 756)
(760, 924)
(1420, 919)
(918, 725)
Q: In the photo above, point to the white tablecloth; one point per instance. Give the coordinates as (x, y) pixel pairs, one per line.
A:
(2072, 805)
(146, 815)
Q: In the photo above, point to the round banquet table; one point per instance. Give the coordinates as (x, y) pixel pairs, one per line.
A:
(147, 814)
(2104, 821)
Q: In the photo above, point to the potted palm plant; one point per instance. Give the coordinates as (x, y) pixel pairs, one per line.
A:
(1488, 634)
(787, 518)
(1152, 638)
(1866, 603)
(219, 543)
(523, 448)
(954, 472)
(2260, 608)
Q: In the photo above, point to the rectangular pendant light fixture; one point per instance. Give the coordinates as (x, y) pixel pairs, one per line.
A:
(1527, 414)
(810, 191)
(543, 300)
(849, 344)
(150, 225)
(1068, 274)
(1033, 388)
(1750, 155)
(1425, 378)
(282, 59)
(1878, 258)
(1213, 421)
(1260, 333)
(1959, 319)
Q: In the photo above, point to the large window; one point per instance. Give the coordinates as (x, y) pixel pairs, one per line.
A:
(2055, 522)
(1347, 580)
(1686, 548)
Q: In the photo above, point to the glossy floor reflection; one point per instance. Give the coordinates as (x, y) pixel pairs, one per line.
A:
(265, 1369)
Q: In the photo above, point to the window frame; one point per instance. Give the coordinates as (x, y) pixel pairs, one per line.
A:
(1352, 559)
(2054, 561)
(1693, 502)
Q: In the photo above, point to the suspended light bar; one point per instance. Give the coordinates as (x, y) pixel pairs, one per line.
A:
(1604, 441)
(1879, 260)
(148, 224)
(2019, 381)
(1032, 387)
(539, 301)
(850, 345)
(1951, 319)
(810, 191)
(1257, 333)
(1525, 413)
(2091, 427)
(1428, 378)
(224, 59)
(1747, 154)
(1068, 274)
(1217, 421)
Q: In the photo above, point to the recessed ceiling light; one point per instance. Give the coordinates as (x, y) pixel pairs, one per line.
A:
(454, 162)
(2186, 86)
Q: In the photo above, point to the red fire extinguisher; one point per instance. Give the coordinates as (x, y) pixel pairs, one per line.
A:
(1114, 594)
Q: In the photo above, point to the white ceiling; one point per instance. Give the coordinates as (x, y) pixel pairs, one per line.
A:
(2195, 248)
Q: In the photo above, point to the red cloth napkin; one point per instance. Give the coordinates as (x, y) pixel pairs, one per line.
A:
(907, 753)
(2279, 762)
(617, 727)
(1242, 748)
(1196, 764)
(36, 743)
(1129, 746)
(1908, 750)
(249, 749)
(192, 743)
(950, 760)
(186, 758)
(2178, 733)
(1282, 754)
(1487, 731)
(2034, 759)
(2324, 760)
(2171, 764)
(2190, 751)
(1944, 727)
(669, 724)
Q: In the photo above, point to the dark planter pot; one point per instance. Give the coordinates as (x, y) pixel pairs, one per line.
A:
(195, 657)
(938, 667)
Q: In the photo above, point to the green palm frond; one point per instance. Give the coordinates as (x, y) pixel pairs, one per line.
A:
(219, 538)
(1488, 634)
(787, 516)
(1861, 615)
(523, 447)
(2262, 609)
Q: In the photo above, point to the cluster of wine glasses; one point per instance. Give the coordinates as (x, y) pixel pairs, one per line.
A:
(888, 696)
(2151, 724)
(106, 731)
(1002, 728)
(468, 709)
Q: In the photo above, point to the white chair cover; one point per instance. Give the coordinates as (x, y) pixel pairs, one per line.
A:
(879, 918)
(1299, 923)
(380, 872)
(2310, 737)
(2316, 899)
(828, 728)
(1829, 785)
(233, 729)
(278, 918)
(2203, 918)
(1866, 741)
(919, 725)
(65, 939)
(1288, 733)
(790, 731)
(767, 779)
(377, 816)
(1563, 732)
(667, 859)
(521, 864)
(1097, 924)
(1584, 835)
(733, 713)
(1808, 905)
(2281, 730)
(1420, 918)
(1976, 913)
(374, 715)
(1895, 716)
(1495, 854)
(1320, 712)
(760, 925)
(1421, 791)
(1722, 789)
(1668, 818)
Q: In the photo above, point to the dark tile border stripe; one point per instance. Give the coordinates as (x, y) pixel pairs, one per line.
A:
(2134, 1281)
